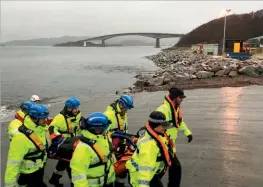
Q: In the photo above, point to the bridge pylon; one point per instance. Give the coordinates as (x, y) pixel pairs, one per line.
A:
(157, 43)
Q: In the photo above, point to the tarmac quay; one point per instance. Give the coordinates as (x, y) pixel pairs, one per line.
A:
(227, 126)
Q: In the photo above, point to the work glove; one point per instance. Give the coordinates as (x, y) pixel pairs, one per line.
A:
(190, 138)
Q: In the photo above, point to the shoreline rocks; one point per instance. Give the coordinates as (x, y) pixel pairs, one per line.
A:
(184, 67)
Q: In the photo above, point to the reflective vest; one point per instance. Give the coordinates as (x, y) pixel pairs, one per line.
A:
(26, 156)
(92, 163)
(152, 156)
(174, 116)
(119, 123)
(13, 127)
(65, 125)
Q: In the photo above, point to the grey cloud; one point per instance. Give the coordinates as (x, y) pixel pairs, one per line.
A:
(31, 19)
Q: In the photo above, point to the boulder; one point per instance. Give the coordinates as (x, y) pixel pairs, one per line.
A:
(248, 70)
(220, 73)
(142, 83)
(204, 74)
(166, 81)
(126, 91)
(259, 69)
(215, 68)
(192, 76)
(227, 70)
(233, 73)
(166, 74)
(182, 76)
(158, 81)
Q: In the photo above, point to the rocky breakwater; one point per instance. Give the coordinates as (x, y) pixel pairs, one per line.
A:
(188, 70)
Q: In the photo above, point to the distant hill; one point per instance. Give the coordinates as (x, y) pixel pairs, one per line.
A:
(241, 27)
(45, 41)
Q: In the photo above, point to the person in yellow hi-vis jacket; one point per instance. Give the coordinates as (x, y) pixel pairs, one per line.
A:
(153, 154)
(19, 118)
(172, 110)
(27, 153)
(117, 113)
(92, 161)
(65, 124)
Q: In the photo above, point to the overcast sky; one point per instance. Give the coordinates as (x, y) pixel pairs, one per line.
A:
(29, 19)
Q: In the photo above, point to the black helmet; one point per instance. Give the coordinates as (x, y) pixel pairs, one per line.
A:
(157, 118)
(176, 92)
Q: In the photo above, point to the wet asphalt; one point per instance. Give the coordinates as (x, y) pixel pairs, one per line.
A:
(227, 126)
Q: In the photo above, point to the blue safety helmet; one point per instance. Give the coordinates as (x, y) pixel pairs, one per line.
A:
(38, 111)
(25, 106)
(72, 102)
(96, 120)
(127, 101)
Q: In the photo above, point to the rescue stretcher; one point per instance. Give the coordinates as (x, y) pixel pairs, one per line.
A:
(123, 147)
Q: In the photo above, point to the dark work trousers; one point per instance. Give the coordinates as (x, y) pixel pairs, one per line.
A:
(119, 181)
(175, 172)
(60, 167)
(33, 179)
(156, 181)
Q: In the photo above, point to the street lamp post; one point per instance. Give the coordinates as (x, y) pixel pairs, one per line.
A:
(226, 11)
(224, 37)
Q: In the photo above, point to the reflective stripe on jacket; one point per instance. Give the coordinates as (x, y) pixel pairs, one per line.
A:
(20, 146)
(84, 156)
(165, 109)
(144, 163)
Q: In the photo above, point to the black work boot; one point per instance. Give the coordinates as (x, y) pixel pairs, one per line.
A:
(54, 180)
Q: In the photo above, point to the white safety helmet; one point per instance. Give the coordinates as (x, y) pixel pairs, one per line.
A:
(35, 98)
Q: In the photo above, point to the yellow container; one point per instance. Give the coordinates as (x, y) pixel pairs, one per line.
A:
(237, 47)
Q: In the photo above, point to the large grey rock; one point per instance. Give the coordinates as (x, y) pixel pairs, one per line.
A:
(166, 74)
(233, 73)
(227, 70)
(166, 81)
(204, 74)
(215, 68)
(220, 73)
(192, 76)
(158, 81)
(248, 70)
(142, 83)
(182, 76)
(259, 69)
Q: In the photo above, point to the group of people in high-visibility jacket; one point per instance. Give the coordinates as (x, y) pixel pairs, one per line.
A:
(92, 160)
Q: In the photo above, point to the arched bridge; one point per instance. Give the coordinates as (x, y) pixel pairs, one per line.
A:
(156, 36)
